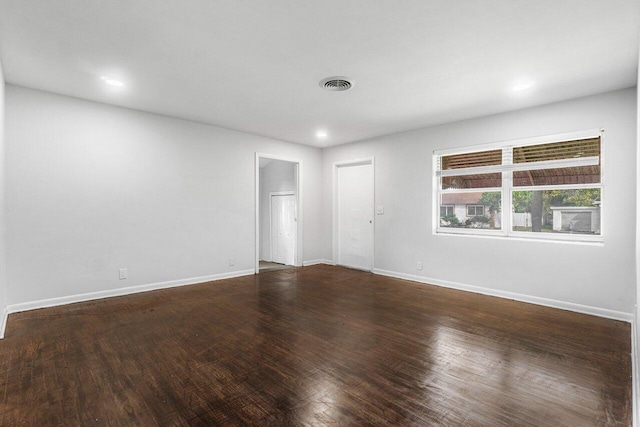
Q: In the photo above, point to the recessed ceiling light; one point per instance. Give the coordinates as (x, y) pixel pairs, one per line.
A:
(112, 82)
(523, 85)
(321, 134)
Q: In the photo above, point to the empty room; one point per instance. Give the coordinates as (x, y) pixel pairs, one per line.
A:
(286, 212)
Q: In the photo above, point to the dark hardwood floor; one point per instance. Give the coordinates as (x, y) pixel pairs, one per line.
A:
(313, 346)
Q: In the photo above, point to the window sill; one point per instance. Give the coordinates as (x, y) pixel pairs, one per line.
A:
(520, 237)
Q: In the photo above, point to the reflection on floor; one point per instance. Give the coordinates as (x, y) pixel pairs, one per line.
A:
(271, 266)
(318, 345)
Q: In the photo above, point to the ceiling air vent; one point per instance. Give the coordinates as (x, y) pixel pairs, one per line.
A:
(337, 83)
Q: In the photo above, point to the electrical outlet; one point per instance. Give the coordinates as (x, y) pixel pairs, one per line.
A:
(232, 261)
(380, 210)
(123, 273)
(419, 265)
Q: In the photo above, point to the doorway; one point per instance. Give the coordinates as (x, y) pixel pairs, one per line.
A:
(354, 214)
(278, 213)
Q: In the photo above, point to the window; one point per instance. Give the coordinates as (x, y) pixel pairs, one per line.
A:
(551, 187)
(475, 210)
(446, 210)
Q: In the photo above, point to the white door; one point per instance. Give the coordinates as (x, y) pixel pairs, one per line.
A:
(283, 228)
(355, 216)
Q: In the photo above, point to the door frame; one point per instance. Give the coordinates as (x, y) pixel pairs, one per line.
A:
(336, 166)
(298, 177)
(271, 195)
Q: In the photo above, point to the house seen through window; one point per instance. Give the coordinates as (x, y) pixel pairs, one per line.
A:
(548, 187)
(475, 210)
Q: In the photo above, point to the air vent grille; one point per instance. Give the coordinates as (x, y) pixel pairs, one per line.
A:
(337, 83)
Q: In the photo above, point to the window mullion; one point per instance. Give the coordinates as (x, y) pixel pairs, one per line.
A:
(507, 185)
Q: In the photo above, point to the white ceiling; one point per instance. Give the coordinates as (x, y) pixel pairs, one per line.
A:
(254, 65)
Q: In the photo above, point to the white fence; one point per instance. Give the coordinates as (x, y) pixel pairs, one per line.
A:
(521, 219)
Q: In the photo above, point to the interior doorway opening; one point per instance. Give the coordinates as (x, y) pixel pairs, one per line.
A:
(278, 213)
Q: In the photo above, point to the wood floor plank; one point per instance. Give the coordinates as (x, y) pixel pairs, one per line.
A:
(318, 345)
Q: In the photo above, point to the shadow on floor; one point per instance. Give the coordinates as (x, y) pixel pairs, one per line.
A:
(272, 266)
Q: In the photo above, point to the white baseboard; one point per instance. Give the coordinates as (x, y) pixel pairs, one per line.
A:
(52, 302)
(316, 262)
(3, 322)
(563, 305)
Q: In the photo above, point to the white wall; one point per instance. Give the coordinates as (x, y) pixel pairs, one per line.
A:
(3, 269)
(92, 188)
(601, 276)
(277, 176)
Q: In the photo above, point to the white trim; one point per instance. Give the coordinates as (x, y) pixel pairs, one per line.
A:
(355, 162)
(316, 262)
(563, 305)
(498, 232)
(256, 191)
(299, 216)
(53, 302)
(436, 189)
(334, 224)
(521, 235)
(511, 237)
(471, 190)
(558, 236)
(298, 192)
(3, 322)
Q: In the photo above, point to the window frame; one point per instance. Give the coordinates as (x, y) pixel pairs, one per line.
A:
(507, 168)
